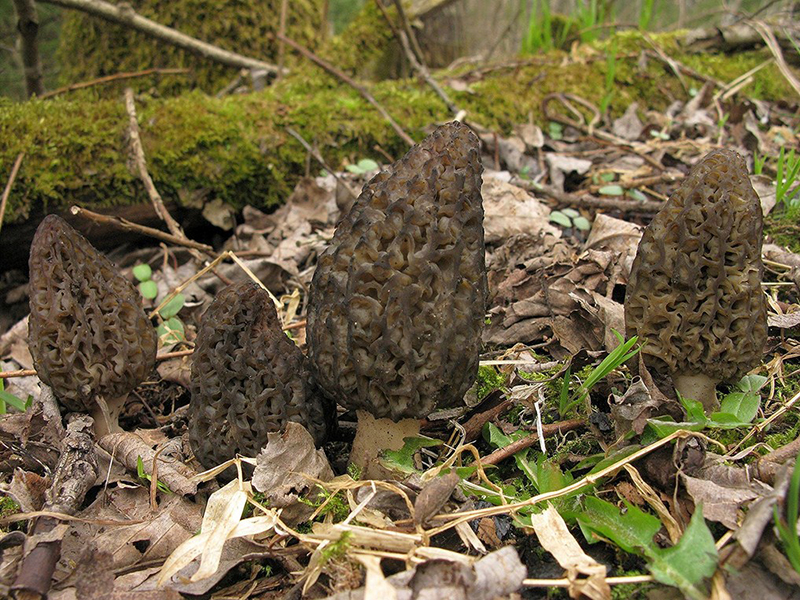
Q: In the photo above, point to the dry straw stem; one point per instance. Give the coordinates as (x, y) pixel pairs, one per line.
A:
(9, 183)
(625, 580)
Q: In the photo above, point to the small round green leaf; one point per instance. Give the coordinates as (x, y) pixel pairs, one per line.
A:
(142, 272)
(560, 218)
(171, 331)
(582, 223)
(571, 212)
(172, 307)
(637, 195)
(148, 289)
(611, 190)
(367, 164)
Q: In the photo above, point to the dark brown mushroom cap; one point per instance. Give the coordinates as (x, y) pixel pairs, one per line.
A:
(397, 302)
(248, 379)
(694, 293)
(87, 331)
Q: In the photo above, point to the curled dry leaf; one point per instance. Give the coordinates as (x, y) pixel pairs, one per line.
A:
(286, 470)
(587, 577)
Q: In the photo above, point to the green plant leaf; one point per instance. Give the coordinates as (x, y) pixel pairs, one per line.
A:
(741, 405)
(611, 190)
(570, 212)
(559, 217)
(637, 195)
(608, 176)
(403, 460)
(142, 272)
(632, 530)
(689, 562)
(148, 289)
(171, 331)
(355, 169)
(752, 383)
(582, 223)
(9, 398)
(367, 164)
(172, 307)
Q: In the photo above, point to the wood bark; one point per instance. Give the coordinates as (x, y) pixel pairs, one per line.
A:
(123, 14)
(28, 27)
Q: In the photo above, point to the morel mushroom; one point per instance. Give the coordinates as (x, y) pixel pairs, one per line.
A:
(397, 301)
(248, 379)
(90, 339)
(694, 294)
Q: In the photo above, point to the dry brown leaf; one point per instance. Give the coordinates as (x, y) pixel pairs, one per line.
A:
(286, 470)
(587, 577)
(721, 504)
(433, 496)
(510, 210)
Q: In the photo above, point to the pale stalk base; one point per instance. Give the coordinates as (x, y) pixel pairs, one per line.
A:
(106, 415)
(374, 435)
(698, 387)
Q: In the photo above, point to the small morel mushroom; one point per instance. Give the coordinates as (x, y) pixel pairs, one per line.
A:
(248, 379)
(397, 301)
(90, 339)
(694, 294)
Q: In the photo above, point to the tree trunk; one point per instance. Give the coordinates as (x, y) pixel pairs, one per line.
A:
(28, 26)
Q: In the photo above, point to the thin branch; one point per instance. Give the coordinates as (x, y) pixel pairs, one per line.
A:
(414, 55)
(528, 441)
(141, 165)
(125, 225)
(112, 78)
(320, 160)
(9, 183)
(772, 43)
(282, 31)
(123, 14)
(323, 64)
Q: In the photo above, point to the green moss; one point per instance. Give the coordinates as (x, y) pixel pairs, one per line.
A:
(489, 379)
(9, 507)
(91, 47)
(236, 148)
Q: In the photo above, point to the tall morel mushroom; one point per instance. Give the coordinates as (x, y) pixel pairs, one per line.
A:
(397, 301)
(694, 294)
(88, 334)
(248, 379)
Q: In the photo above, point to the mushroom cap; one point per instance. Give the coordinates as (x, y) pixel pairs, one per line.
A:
(397, 301)
(248, 379)
(694, 293)
(87, 331)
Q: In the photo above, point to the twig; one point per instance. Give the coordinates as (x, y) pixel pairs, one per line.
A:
(547, 430)
(112, 78)
(621, 580)
(126, 225)
(282, 31)
(769, 39)
(414, 54)
(320, 160)
(18, 373)
(642, 181)
(73, 477)
(141, 165)
(323, 64)
(638, 206)
(672, 63)
(123, 14)
(9, 183)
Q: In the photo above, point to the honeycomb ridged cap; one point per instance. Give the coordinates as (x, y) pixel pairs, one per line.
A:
(87, 331)
(694, 294)
(248, 379)
(397, 301)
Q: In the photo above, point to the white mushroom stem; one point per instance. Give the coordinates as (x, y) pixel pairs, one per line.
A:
(106, 415)
(374, 435)
(698, 387)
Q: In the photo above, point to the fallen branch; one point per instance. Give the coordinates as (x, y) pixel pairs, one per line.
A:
(9, 183)
(526, 442)
(75, 474)
(323, 64)
(638, 206)
(123, 14)
(125, 225)
(110, 79)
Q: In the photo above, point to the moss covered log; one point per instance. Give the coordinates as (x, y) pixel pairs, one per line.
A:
(236, 148)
